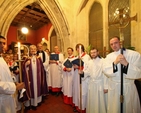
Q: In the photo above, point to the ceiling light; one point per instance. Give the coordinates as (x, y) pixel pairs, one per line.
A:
(24, 30)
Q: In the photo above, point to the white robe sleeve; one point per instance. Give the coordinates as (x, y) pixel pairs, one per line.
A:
(61, 58)
(108, 67)
(46, 63)
(7, 87)
(134, 68)
(87, 71)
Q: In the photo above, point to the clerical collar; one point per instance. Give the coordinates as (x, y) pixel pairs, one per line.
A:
(123, 49)
(40, 51)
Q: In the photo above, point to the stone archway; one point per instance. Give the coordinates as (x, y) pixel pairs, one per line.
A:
(11, 8)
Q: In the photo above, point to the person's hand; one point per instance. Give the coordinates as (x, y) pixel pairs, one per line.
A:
(27, 63)
(52, 61)
(68, 69)
(80, 72)
(75, 66)
(16, 71)
(105, 90)
(117, 59)
(60, 62)
(20, 85)
(123, 60)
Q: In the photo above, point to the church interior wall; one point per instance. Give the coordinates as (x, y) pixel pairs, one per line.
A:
(75, 26)
(33, 37)
(136, 25)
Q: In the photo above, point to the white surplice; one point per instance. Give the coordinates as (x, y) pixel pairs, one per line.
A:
(96, 85)
(56, 74)
(67, 83)
(46, 66)
(131, 102)
(7, 89)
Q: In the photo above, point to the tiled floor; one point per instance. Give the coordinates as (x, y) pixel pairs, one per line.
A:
(53, 104)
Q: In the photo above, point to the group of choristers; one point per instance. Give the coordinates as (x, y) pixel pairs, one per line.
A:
(90, 84)
(89, 96)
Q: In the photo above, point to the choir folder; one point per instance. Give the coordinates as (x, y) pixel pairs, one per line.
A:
(54, 57)
(68, 64)
(77, 62)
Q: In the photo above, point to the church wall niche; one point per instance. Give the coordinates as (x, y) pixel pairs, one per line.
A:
(96, 27)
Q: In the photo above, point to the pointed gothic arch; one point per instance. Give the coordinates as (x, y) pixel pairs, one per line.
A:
(50, 7)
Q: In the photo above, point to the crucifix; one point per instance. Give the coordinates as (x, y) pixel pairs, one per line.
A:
(33, 59)
(121, 21)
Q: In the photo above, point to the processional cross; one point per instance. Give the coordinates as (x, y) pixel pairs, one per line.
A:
(122, 19)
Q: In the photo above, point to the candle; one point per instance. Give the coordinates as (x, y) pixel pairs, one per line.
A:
(80, 51)
(19, 51)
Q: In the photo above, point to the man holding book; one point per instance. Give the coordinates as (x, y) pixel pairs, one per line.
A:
(68, 72)
(56, 60)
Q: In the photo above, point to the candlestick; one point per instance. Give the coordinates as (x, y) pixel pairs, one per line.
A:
(80, 51)
(80, 78)
(19, 51)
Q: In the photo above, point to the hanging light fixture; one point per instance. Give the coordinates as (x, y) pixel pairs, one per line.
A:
(24, 30)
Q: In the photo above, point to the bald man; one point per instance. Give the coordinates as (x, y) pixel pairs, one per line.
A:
(56, 72)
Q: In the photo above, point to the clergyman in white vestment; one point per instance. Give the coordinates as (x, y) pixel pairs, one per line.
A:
(97, 84)
(131, 61)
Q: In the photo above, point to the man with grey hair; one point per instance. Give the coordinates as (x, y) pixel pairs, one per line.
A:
(34, 78)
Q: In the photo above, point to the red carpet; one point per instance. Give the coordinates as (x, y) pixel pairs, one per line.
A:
(52, 104)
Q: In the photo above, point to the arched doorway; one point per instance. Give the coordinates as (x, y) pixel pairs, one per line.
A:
(50, 8)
